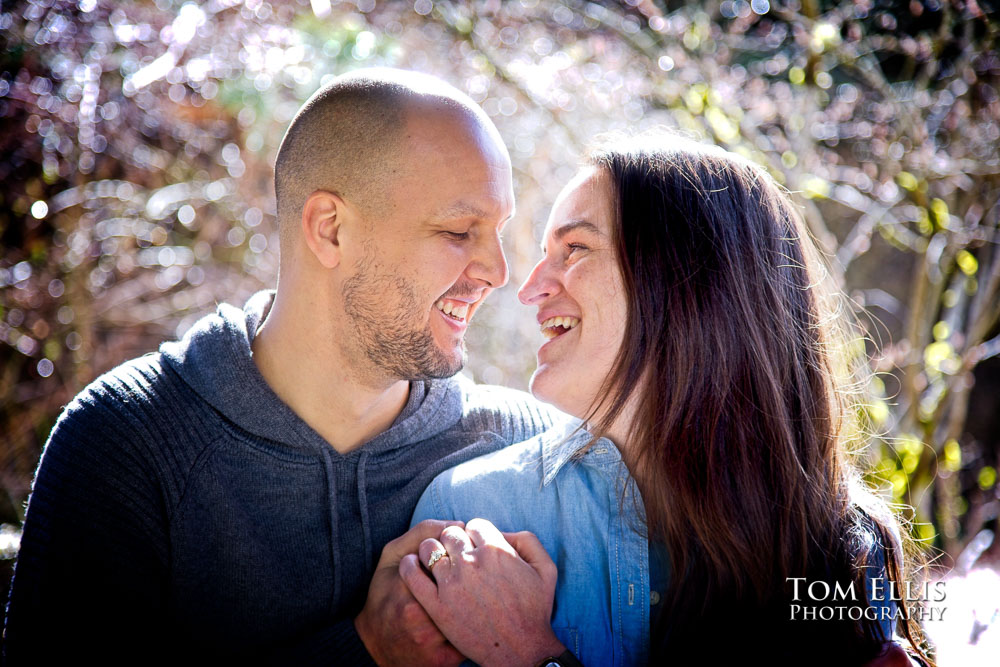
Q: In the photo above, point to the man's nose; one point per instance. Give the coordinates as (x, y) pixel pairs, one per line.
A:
(490, 263)
(538, 286)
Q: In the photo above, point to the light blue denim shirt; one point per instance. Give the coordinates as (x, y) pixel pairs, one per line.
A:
(574, 504)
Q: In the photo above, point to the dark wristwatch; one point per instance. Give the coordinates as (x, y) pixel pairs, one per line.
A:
(566, 659)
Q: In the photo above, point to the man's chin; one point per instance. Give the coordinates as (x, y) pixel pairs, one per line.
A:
(445, 365)
(460, 359)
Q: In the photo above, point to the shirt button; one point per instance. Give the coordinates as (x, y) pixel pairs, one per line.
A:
(654, 597)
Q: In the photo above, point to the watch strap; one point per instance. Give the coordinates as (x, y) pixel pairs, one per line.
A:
(565, 659)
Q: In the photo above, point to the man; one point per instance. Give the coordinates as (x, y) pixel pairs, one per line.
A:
(230, 495)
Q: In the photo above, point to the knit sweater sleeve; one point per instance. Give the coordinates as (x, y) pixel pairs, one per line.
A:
(513, 415)
(91, 574)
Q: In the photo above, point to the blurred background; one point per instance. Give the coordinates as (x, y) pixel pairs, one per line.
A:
(137, 140)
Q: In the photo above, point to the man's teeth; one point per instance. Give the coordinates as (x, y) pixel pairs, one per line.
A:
(555, 326)
(457, 312)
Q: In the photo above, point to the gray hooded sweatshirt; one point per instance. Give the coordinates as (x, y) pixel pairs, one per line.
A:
(182, 511)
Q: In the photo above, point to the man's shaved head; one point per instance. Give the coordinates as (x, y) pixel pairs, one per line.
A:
(392, 188)
(348, 138)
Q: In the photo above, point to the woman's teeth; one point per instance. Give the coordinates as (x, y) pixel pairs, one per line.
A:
(454, 310)
(556, 326)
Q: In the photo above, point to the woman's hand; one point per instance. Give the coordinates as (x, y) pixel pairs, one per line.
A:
(490, 593)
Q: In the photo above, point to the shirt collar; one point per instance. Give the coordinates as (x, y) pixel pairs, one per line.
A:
(563, 443)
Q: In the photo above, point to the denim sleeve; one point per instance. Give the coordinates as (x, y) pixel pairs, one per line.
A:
(430, 505)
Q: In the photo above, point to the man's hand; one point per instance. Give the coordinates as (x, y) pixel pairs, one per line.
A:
(393, 626)
(494, 605)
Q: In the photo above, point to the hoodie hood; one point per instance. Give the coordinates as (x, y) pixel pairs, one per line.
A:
(216, 360)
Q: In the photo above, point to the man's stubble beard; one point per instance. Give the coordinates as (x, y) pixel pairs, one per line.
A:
(385, 336)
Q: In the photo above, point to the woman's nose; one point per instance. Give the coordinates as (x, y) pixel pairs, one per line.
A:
(539, 285)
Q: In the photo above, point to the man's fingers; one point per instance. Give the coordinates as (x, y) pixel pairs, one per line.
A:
(419, 583)
(408, 542)
(456, 541)
(531, 550)
(448, 655)
(483, 532)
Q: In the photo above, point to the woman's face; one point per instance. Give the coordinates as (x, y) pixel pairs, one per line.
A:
(578, 291)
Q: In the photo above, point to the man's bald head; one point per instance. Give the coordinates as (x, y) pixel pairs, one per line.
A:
(348, 138)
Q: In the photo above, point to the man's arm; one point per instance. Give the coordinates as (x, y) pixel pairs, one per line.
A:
(394, 627)
(90, 576)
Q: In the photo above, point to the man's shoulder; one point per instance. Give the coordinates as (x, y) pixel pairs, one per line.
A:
(487, 397)
(503, 409)
(132, 433)
(130, 384)
(140, 399)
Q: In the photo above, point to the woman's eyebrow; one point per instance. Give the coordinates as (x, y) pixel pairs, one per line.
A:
(585, 225)
(559, 232)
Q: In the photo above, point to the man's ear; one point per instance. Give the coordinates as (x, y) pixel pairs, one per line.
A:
(323, 216)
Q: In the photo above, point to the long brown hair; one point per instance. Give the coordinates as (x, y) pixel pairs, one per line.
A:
(740, 445)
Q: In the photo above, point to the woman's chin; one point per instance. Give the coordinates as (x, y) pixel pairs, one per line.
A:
(540, 388)
(546, 388)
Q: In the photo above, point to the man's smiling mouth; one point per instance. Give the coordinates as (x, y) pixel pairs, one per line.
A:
(456, 310)
(557, 326)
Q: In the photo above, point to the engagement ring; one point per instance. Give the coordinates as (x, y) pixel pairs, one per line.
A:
(436, 555)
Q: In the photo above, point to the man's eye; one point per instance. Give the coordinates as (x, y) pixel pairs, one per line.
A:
(457, 236)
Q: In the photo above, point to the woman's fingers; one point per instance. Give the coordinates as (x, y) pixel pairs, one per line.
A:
(482, 532)
(420, 584)
(432, 555)
(456, 541)
(531, 550)
(408, 541)
(487, 600)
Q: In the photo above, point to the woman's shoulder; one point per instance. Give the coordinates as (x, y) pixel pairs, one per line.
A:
(504, 484)
(514, 463)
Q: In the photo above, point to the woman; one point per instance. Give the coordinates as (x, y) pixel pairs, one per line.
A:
(709, 481)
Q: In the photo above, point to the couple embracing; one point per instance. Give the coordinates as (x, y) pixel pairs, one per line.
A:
(308, 480)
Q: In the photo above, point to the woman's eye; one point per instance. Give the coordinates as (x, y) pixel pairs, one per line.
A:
(573, 247)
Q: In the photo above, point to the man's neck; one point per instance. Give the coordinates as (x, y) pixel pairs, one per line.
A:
(298, 359)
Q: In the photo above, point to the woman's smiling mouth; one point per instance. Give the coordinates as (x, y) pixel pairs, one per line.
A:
(557, 326)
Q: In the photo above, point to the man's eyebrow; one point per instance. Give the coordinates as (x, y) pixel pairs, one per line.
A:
(464, 209)
(460, 209)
